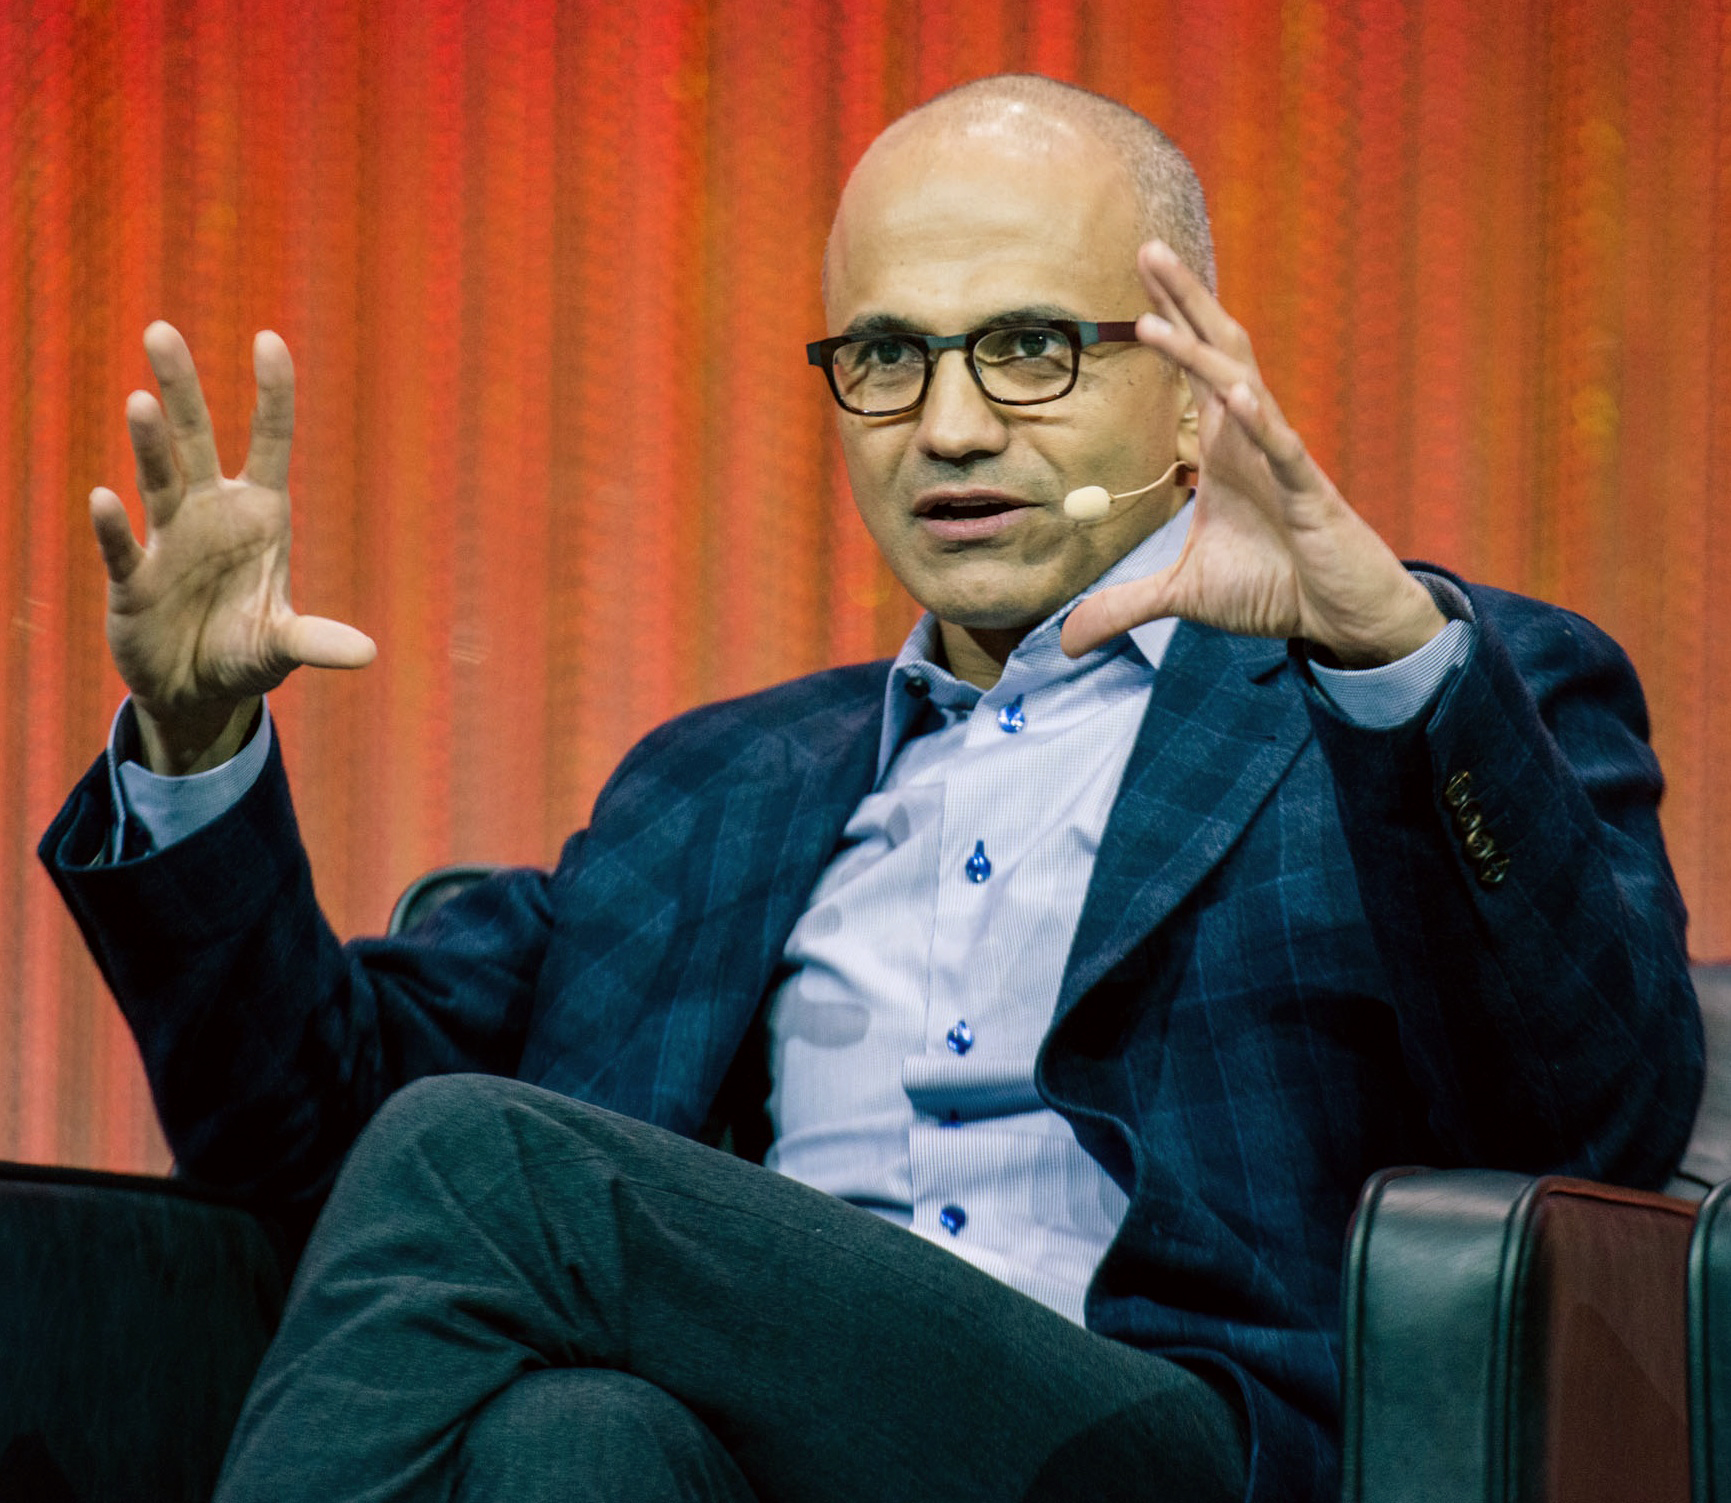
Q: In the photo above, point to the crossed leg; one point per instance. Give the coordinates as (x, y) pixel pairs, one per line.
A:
(591, 1435)
(485, 1234)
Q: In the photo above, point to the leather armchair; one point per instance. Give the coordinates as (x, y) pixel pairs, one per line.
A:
(134, 1311)
(1517, 1339)
(1710, 1349)
(1514, 1339)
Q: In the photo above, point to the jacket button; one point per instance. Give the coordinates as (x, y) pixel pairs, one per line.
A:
(1458, 789)
(1492, 870)
(1469, 819)
(1480, 846)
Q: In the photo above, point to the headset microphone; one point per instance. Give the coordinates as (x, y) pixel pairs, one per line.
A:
(1091, 503)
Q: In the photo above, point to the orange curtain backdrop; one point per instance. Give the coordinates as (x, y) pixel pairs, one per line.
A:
(546, 271)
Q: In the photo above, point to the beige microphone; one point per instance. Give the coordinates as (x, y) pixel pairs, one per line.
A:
(1090, 503)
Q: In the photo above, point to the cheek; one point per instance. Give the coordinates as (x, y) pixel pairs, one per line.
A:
(872, 456)
(1141, 425)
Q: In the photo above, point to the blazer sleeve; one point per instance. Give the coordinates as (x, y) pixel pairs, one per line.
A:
(1542, 995)
(268, 1045)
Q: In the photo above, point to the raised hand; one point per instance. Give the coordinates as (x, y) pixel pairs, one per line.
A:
(1273, 550)
(199, 620)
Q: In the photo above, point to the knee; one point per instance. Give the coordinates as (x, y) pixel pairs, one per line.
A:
(588, 1422)
(568, 1401)
(440, 1116)
(453, 1119)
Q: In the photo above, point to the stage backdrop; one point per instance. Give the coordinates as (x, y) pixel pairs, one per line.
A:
(1484, 247)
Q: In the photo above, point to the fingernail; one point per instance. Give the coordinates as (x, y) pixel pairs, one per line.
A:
(1163, 252)
(1156, 324)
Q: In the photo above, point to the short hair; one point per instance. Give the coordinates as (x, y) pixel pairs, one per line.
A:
(1172, 204)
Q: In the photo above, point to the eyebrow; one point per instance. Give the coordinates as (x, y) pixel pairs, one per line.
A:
(890, 323)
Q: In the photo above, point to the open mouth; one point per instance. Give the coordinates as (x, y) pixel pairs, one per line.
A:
(964, 517)
(969, 508)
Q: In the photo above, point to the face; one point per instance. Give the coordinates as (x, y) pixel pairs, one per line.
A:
(942, 231)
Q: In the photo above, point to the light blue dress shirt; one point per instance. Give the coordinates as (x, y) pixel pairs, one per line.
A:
(923, 975)
(924, 972)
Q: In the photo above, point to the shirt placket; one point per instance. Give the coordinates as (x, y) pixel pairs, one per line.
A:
(978, 849)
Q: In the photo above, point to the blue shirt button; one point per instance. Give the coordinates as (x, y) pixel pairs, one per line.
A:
(960, 1038)
(916, 686)
(979, 867)
(1010, 718)
(952, 1219)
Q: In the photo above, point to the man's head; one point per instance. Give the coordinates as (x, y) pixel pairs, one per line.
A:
(1009, 196)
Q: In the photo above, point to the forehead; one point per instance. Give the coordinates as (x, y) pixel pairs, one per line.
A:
(945, 228)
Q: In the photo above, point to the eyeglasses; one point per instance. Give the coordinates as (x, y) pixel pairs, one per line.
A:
(883, 375)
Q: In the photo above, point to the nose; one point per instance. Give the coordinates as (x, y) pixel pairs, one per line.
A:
(958, 420)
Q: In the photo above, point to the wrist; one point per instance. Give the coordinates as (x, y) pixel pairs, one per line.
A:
(194, 740)
(1416, 622)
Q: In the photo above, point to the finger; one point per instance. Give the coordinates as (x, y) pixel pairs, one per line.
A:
(1201, 309)
(120, 551)
(1165, 306)
(1114, 610)
(1215, 369)
(273, 414)
(1261, 421)
(153, 451)
(320, 642)
(183, 402)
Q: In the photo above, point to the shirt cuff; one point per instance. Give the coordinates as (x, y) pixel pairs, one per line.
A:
(167, 809)
(1394, 694)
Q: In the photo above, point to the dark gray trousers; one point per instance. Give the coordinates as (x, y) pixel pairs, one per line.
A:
(515, 1296)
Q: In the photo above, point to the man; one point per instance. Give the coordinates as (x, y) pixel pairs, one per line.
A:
(1187, 865)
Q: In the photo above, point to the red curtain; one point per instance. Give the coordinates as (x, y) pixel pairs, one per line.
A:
(546, 271)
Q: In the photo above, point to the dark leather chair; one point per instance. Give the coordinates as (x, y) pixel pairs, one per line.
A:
(134, 1311)
(1514, 1339)
(1506, 1338)
(133, 1314)
(1710, 1349)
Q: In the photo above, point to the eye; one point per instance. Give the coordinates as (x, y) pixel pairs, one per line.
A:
(1026, 345)
(882, 354)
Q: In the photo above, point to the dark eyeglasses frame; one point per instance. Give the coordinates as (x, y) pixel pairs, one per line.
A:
(1080, 335)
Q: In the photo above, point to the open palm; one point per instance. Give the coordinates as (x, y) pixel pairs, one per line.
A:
(199, 619)
(1273, 548)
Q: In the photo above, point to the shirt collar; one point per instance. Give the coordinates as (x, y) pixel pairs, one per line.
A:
(916, 679)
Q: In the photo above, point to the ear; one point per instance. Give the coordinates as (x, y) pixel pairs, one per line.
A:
(1189, 443)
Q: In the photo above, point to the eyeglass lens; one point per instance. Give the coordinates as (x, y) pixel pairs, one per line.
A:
(886, 372)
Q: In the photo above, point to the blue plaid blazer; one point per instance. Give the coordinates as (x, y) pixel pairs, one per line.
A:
(1286, 975)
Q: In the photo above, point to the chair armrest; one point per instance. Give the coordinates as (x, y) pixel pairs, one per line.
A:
(133, 1314)
(1513, 1338)
(1710, 1349)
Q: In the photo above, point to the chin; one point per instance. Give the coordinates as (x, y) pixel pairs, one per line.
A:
(990, 610)
(990, 593)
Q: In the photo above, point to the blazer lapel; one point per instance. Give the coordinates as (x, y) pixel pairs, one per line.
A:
(795, 817)
(1222, 727)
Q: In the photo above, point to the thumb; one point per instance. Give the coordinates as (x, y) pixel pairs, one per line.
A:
(320, 642)
(1114, 610)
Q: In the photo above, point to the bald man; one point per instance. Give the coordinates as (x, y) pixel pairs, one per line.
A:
(1194, 859)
